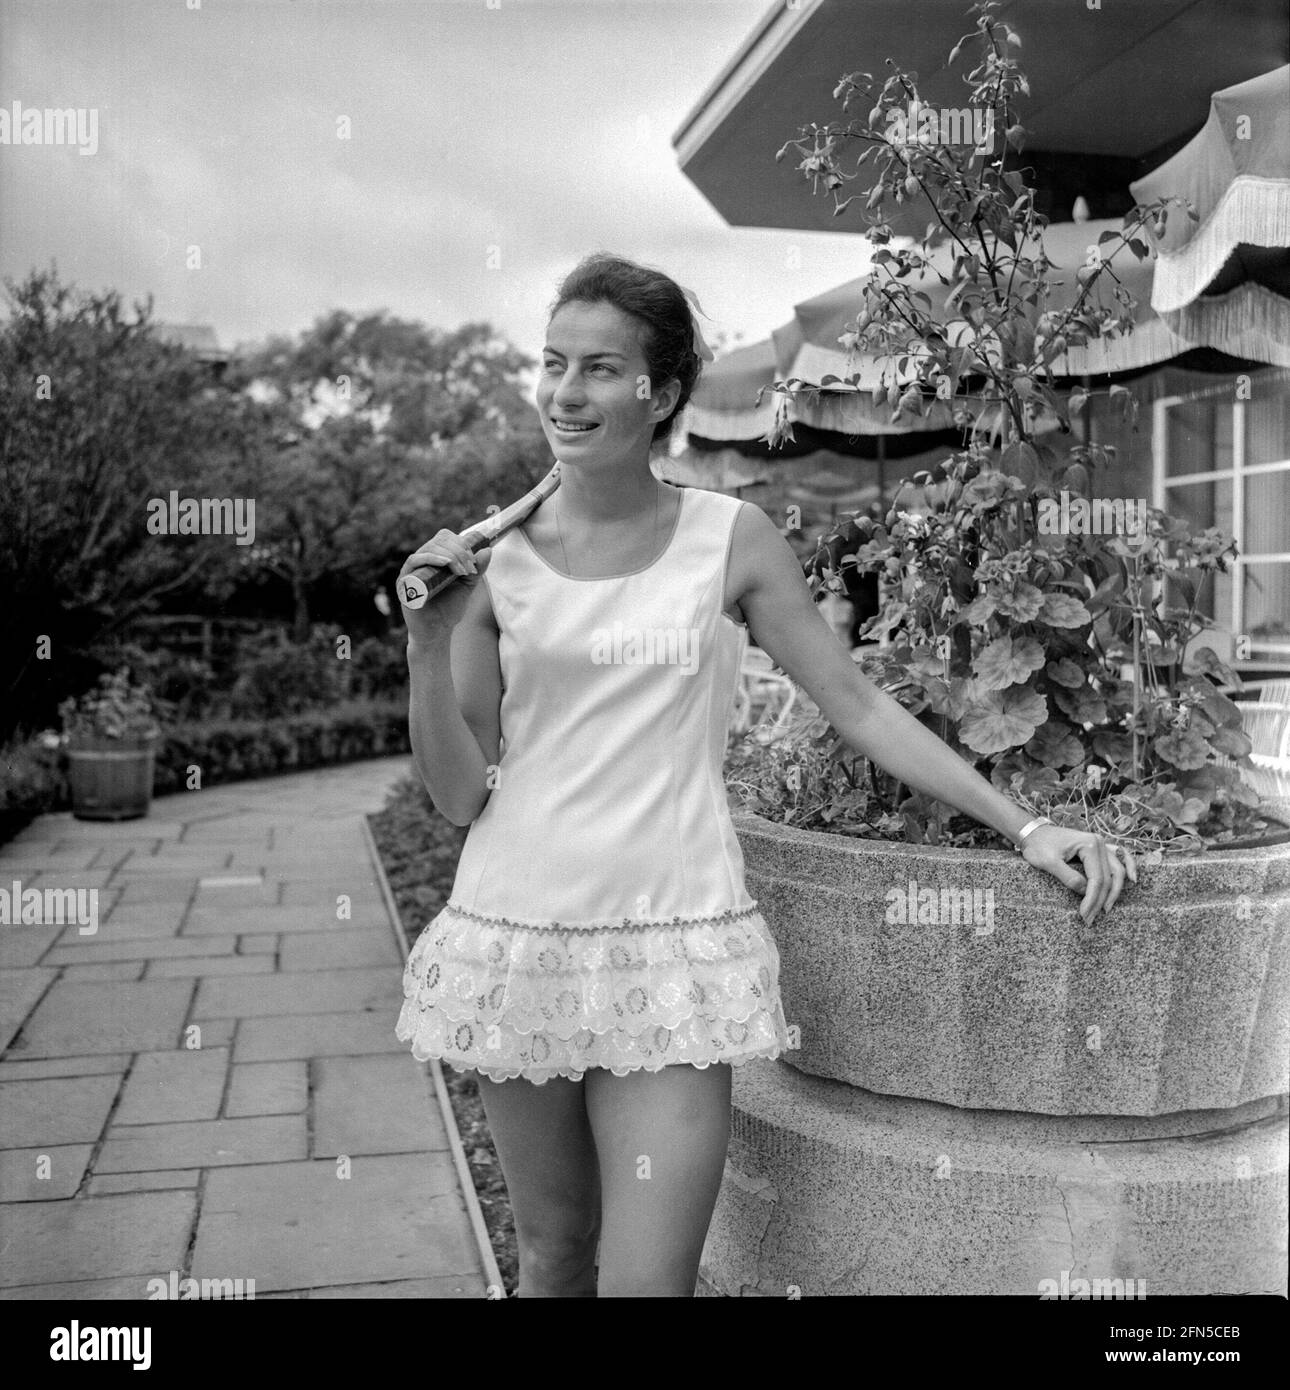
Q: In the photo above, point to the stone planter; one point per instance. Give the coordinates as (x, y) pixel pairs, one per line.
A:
(993, 1092)
(111, 779)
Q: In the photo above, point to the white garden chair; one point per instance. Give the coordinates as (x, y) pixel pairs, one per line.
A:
(1267, 722)
(764, 700)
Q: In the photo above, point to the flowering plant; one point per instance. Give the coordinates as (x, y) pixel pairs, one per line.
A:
(1061, 661)
(114, 709)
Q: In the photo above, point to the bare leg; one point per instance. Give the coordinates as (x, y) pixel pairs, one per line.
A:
(548, 1159)
(661, 1138)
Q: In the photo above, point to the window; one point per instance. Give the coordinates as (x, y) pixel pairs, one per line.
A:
(1221, 457)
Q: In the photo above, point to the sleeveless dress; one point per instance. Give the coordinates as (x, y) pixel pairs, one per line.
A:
(599, 917)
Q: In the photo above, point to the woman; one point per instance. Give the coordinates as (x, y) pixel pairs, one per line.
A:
(600, 963)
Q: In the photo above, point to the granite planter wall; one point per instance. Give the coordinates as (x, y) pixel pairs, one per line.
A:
(993, 1093)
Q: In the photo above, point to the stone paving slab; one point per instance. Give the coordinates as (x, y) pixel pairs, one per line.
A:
(173, 865)
(44, 830)
(212, 1032)
(209, 965)
(268, 1088)
(446, 1286)
(394, 1217)
(22, 864)
(65, 1066)
(161, 1180)
(66, 1110)
(203, 1144)
(172, 1071)
(107, 1017)
(109, 970)
(115, 841)
(205, 857)
(85, 878)
(301, 992)
(214, 896)
(63, 826)
(166, 1087)
(49, 1173)
(292, 859)
(232, 833)
(19, 991)
(21, 946)
(374, 1105)
(131, 922)
(217, 920)
(315, 1035)
(137, 891)
(95, 1238)
(90, 950)
(254, 943)
(338, 950)
(132, 1287)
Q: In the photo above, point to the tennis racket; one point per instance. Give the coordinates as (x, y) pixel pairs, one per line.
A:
(420, 585)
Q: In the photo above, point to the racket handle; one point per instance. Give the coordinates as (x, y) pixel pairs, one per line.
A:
(419, 586)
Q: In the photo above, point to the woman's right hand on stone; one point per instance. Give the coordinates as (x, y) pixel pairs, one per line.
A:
(440, 614)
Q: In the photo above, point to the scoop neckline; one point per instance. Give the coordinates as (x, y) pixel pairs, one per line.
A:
(602, 578)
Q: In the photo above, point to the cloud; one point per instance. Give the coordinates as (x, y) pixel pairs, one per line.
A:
(488, 150)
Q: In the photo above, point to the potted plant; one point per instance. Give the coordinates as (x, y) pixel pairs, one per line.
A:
(978, 1072)
(110, 735)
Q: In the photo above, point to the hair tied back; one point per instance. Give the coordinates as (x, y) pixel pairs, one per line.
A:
(699, 344)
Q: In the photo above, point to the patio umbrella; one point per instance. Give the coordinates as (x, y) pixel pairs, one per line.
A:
(722, 470)
(808, 348)
(1224, 280)
(724, 402)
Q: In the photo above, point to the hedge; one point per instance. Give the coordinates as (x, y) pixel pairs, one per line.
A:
(33, 778)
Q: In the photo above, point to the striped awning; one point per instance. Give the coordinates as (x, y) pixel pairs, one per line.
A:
(1225, 277)
(1248, 323)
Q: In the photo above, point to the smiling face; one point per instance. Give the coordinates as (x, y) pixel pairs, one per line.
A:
(592, 365)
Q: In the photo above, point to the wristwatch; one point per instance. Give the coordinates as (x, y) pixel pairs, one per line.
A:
(1027, 828)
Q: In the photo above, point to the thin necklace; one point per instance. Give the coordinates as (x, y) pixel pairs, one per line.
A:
(560, 531)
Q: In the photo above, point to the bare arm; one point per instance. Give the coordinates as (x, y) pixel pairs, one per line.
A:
(454, 702)
(767, 582)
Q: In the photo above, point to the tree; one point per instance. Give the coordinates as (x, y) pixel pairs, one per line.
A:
(386, 431)
(97, 418)
(418, 385)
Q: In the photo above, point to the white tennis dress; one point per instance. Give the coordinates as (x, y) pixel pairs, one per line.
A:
(599, 916)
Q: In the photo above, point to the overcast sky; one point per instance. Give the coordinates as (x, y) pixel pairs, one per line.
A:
(540, 128)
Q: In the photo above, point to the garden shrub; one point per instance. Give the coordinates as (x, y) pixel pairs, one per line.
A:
(33, 776)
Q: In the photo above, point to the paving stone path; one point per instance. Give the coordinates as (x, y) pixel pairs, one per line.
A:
(209, 1084)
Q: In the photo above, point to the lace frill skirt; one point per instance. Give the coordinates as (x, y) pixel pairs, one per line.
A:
(509, 998)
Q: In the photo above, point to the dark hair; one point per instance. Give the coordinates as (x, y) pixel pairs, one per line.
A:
(658, 302)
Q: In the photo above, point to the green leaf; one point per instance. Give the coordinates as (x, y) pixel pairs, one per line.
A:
(1065, 672)
(1023, 604)
(1184, 748)
(1232, 742)
(1114, 748)
(1007, 662)
(979, 611)
(1082, 706)
(1020, 458)
(1056, 745)
(1207, 660)
(1003, 719)
(1061, 610)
